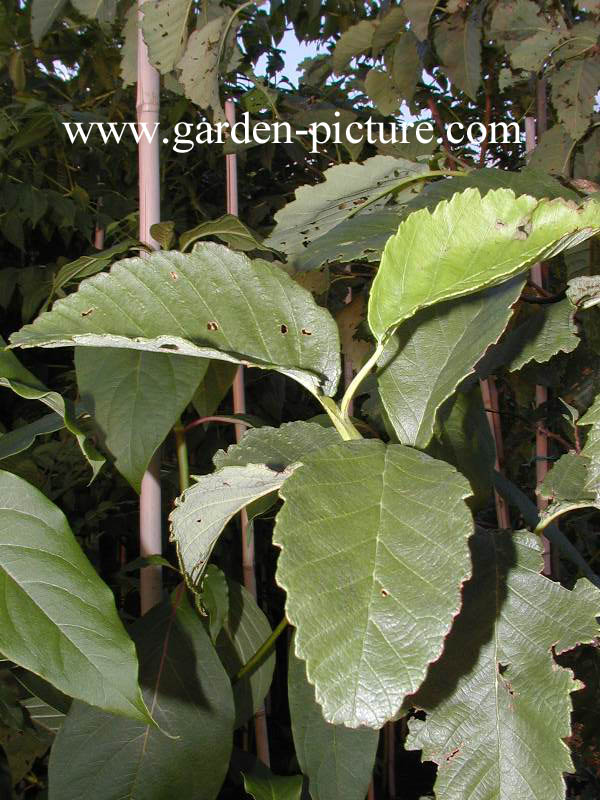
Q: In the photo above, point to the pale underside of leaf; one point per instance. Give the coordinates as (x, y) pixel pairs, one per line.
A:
(374, 551)
(165, 29)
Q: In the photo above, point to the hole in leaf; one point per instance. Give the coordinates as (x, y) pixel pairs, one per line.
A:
(212, 326)
(283, 328)
(174, 275)
(306, 333)
(87, 313)
(169, 347)
(385, 593)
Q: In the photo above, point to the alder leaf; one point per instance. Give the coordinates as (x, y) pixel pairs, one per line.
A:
(469, 243)
(353, 42)
(382, 91)
(419, 13)
(102, 10)
(458, 43)
(591, 448)
(244, 630)
(43, 14)
(13, 375)
(337, 761)
(496, 701)
(59, 618)
(165, 25)
(566, 480)
(573, 92)
(263, 786)
(374, 550)
(406, 66)
(204, 509)
(128, 69)
(135, 399)
(229, 229)
(200, 66)
(211, 303)
(319, 208)
(97, 755)
(429, 355)
(545, 332)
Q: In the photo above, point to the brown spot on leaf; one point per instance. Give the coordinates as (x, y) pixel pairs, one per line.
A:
(87, 313)
(283, 328)
(306, 333)
(174, 275)
(212, 326)
(385, 593)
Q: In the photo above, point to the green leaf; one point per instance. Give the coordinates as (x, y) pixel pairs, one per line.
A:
(13, 375)
(22, 748)
(22, 438)
(43, 715)
(204, 509)
(468, 243)
(214, 597)
(528, 34)
(273, 787)
(165, 26)
(227, 228)
(128, 69)
(42, 691)
(496, 701)
(98, 756)
(374, 550)
(86, 266)
(553, 151)
(356, 40)
(337, 761)
(102, 10)
(592, 447)
(342, 243)
(244, 630)
(458, 43)
(43, 14)
(163, 233)
(566, 480)
(228, 307)
(59, 618)
(381, 90)
(546, 331)
(391, 22)
(135, 399)
(419, 12)
(319, 208)
(429, 355)
(406, 66)
(574, 89)
(584, 291)
(200, 67)
(217, 381)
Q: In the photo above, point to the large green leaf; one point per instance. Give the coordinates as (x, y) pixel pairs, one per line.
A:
(99, 756)
(102, 10)
(545, 331)
(354, 41)
(211, 302)
(218, 380)
(58, 618)
(165, 26)
(229, 229)
(374, 551)
(419, 12)
(263, 786)
(337, 761)
(244, 630)
(468, 243)
(43, 14)
(13, 375)
(21, 438)
(427, 358)
(317, 209)
(204, 509)
(497, 704)
(135, 399)
(591, 449)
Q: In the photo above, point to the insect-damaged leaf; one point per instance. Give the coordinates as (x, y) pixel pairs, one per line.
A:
(498, 706)
(374, 549)
(469, 243)
(211, 303)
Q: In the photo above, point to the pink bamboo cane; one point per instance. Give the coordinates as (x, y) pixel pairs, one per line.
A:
(239, 407)
(538, 276)
(147, 105)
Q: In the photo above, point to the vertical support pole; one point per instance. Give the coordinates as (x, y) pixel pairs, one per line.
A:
(147, 106)
(539, 276)
(489, 394)
(239, 407)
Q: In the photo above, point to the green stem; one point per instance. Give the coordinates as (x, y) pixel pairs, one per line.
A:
(421, 176)
(344, 427)
(182, 456)
(358, 379)
(262, 653)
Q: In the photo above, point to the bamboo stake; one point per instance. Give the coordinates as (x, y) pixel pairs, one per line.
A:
(539, 277)
(147, 105)
(239, 407)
